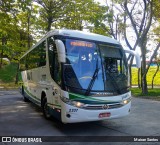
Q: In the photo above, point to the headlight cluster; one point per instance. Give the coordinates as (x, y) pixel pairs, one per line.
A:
(73, 103)
(126, 101)
(126, 98)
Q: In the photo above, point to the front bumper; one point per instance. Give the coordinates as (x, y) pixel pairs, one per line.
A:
(71, 114)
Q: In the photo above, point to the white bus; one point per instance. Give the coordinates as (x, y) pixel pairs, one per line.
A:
(77, 76)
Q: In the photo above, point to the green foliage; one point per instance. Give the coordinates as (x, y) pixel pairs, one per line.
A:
(156, 7)
(97, 20)
(23, 22)
(8, 73)
(15, 28)
(71, 14)
(5, 62)
(50, 12)
(24, 4)
(156, 14)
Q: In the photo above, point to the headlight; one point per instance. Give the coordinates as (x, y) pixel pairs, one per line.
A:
(126, 101)
(72, 102)
(78, 104)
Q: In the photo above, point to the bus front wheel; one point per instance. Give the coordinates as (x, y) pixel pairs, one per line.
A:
(45, 109)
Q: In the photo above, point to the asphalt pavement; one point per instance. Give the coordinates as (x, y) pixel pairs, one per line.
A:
(18, 118)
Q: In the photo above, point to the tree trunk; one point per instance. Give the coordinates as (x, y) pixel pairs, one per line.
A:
(1, 57)
(49, 25)
(143, 75)
(139, 81)
(4, 42)
(130, 70)
(155, 74)
(130, 74)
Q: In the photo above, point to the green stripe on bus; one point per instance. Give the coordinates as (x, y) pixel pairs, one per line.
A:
(74, 96)
(34, 97)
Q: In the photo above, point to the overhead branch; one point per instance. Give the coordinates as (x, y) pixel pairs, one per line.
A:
(125, 36)
(131, 18)
(134, 6)
(143, 18)
(149, 21)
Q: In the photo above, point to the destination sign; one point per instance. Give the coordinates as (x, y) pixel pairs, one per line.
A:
(81, 43)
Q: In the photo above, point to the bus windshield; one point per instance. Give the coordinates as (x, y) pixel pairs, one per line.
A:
(93, 67)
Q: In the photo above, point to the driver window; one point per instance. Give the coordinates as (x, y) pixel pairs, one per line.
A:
(111, 65)
(54, 64)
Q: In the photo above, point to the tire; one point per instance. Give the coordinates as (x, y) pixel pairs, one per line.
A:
(45, 109)
(24, 98)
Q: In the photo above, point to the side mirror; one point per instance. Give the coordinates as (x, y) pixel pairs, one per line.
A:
(137, 56)
(61, 51)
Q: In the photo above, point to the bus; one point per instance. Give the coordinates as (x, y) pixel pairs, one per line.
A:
(77, 76)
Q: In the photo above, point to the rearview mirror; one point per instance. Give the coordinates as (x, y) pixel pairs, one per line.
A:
(137, 56)
(60, 50)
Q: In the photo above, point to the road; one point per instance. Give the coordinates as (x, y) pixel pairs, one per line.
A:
(18, 118)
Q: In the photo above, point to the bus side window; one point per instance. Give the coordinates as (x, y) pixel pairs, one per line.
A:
(51, 55)
(54, 64)
(42, 59)
(57, 74)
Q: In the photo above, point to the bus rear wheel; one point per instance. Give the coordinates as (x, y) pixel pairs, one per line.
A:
(45, 109)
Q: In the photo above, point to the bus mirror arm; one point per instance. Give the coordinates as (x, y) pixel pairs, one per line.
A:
(60, 50)
(137, 56)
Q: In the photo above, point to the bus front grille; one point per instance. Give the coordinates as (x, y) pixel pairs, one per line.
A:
(103, 107)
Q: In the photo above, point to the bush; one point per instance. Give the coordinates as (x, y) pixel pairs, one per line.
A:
(5, 62)
(8, 73)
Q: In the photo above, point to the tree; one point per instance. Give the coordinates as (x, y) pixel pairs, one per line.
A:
(137, 17)
(81, 15)
(72, 14)
(50, 12)
(115, 16)
(98, 19)
(141, 28)
(5, 8)
(13, 32)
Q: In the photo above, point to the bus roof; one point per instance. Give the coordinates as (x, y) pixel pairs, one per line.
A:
(84, 35)
(76, 34)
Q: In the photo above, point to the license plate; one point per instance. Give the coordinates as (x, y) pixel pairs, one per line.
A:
(102, 115)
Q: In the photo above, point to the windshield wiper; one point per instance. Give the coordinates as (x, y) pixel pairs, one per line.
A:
(92, 80)
(114, 83)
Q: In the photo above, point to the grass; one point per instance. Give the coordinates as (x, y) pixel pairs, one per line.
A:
(153, 94)
(150, 74)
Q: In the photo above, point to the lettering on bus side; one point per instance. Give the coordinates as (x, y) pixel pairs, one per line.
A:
(73, 110)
